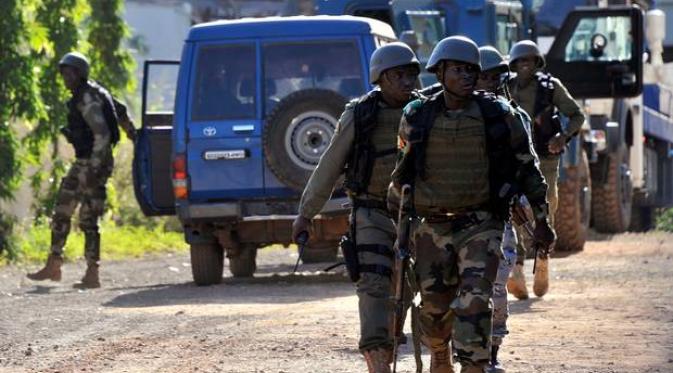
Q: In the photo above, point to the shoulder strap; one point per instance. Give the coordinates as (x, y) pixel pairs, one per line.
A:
(421, 114)
(545, 92)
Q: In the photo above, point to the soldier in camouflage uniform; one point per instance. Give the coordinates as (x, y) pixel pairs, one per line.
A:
(92, 130)
(542, 96)
(492, 79)
(466, 155)
(364, 147)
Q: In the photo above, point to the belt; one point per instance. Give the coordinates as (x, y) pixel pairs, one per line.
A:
(457, 221)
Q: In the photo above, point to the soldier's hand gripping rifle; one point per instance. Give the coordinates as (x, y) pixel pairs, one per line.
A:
(402, 255)
(540, 233)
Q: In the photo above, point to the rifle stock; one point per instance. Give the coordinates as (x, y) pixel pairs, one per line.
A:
(402, 255)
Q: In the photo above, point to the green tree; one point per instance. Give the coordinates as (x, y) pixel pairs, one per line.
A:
(60, 18)
(111, 64)
(18, 97)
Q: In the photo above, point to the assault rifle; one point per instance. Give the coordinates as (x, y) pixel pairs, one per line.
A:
(402, 256)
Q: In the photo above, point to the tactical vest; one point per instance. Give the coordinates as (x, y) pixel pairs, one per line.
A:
(546, 122)
(501, 160)
(78, 132)
(372, 159)
(456, 166)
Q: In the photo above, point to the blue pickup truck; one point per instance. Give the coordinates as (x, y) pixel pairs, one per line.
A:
(231, 133)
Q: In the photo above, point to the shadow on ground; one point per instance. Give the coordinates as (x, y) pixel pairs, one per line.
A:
(277, 288)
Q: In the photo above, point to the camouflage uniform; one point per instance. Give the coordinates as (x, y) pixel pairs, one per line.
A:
(525, 96)
(85, 181)
(374, 229)
(458, 242)
(500, 306)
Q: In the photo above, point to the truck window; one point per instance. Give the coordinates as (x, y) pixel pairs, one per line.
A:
(294, 66)
(225, 86)
(507, 32)
(429, 29)
(600, 39)
(162, 82)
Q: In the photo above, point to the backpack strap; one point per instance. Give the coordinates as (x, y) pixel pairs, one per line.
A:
(497, 116)
(544, 97)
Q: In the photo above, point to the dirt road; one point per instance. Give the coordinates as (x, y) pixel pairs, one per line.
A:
(610, 309)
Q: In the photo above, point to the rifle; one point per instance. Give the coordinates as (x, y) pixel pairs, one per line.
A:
(520, 216)
(302, 239)
(402, 256)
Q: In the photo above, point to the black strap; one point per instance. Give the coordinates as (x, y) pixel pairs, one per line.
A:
(376, 249)
(370, 204)
(377, 269)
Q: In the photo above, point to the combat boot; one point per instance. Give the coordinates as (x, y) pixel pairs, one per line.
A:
(516, 284)
(90, 279)
(378, 360)
(51, 270)
(541, 277)
(495, 366)
(441, 361)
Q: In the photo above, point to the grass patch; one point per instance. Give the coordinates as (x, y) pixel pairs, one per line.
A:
(117, 242)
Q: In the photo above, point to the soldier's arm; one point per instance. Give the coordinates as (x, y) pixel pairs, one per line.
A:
(569, 107)
(321, 183)
(123, 119)
(91, 108)
(528, 173)
(404, 172)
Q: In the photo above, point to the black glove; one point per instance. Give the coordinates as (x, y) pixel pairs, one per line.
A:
(543, 234)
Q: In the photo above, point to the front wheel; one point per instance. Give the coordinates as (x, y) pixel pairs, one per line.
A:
(612, 201)
(243, 263)
(574, 208)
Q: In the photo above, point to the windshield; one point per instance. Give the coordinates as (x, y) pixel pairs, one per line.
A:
(225, 83)
(294, 66)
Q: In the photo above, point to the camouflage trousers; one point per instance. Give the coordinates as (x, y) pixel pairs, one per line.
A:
(550, 170)
(85, 187)
(500, 307)
(456, 267)
(375, 236)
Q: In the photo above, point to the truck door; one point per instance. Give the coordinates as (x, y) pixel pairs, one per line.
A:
(151, 162)
(599, 52)
(224, 145)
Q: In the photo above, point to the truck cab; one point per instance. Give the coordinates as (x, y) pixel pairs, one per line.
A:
(244, 117)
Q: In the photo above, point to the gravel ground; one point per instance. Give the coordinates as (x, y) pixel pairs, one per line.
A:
(610, 309)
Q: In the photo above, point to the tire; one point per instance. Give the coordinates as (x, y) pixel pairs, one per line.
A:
(298, 131)
(642, 219)
(243, 264)
(322, 252)
(612, 201)
(574, 208)
(207, 263)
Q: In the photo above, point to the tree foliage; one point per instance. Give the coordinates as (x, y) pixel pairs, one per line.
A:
(60, 19)
(34, 35)
(18, 99)
(111, 64)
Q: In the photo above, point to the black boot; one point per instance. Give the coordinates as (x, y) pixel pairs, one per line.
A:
(495, 366)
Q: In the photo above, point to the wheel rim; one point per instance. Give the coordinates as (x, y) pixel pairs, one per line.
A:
(308, 136)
